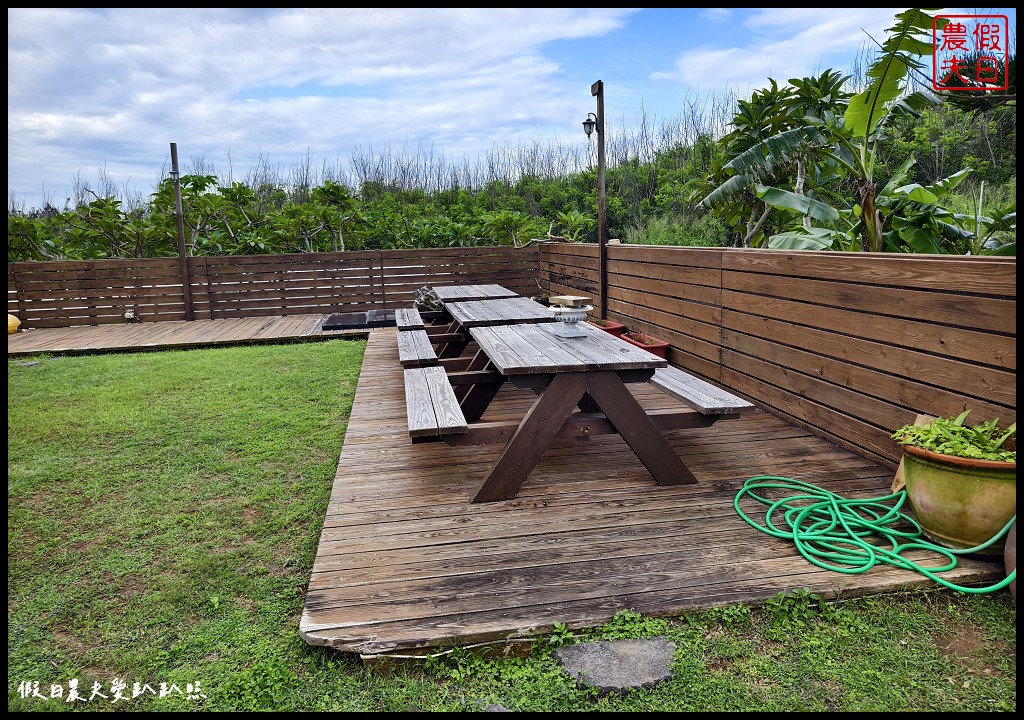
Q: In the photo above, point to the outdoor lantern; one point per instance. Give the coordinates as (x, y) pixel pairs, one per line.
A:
(589, 124)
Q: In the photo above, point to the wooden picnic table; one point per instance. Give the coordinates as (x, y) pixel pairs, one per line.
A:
(498, 311)
(580, 384)
(471, 292)
(590, 373)
(464, 314)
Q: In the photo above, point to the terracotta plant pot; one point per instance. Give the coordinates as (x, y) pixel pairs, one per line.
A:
(648, 343)
(609, 326)
(960, 503)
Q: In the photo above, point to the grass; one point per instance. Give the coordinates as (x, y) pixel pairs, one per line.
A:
(164, 510)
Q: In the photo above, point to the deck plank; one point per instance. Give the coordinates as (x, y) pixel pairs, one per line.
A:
(174, 333)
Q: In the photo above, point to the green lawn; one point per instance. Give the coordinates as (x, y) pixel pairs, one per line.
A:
(163, 515)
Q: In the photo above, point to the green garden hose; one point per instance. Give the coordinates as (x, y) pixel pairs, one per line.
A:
(831, 531)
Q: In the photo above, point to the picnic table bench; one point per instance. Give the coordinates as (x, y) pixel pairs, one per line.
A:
(416, 338)
(701, 396)
(415, 349)
(408, 319)
(430, 404)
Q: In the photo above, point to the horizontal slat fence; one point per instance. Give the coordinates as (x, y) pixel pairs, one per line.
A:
(89, 292)
(70, 293)
(849, 345)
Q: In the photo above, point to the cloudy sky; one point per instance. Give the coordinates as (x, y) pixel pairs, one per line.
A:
(104, 92)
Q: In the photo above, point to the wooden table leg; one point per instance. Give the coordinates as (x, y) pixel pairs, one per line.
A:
(549, 413)
(533, 437)
(637, 429)
(475, 399)
(453, 349)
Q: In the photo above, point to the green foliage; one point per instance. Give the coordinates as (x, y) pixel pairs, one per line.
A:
(30, 239)
(510, 227)
(573, 224)
(805, 165)
(950, 436)
(629, 624)
(730, 615)
(704, 230)
(268, 684)
(797, 607)
(907, 40)
(455, 664)
(815, 137)
(561, 636)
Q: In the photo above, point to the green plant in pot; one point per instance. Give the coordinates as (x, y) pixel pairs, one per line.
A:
(961, 481)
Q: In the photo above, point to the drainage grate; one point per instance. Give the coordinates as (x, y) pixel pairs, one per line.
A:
(356, 320)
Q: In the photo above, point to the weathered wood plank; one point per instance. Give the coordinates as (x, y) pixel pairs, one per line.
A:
(430, 403)
(180, 333)
(408, 319)
(415, 350)
(698, 394)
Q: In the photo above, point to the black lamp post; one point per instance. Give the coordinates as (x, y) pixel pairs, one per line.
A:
(592, 123)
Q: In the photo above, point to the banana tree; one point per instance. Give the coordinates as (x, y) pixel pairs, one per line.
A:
(847, 143)
(918, 221)
(870, 112)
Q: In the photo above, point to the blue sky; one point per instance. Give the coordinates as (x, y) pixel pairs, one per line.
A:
(101, 93)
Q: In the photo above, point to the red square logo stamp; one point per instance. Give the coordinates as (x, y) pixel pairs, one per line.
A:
(969, 52)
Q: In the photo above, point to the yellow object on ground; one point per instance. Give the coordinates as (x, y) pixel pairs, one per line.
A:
(13, 324)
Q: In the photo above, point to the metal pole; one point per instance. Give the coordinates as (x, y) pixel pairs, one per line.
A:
(597, 89)
(186, 287)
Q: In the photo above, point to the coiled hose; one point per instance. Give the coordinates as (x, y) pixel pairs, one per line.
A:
(831, 531)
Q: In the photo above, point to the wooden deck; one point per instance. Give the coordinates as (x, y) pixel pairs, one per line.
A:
(176, 333)
(405, 563)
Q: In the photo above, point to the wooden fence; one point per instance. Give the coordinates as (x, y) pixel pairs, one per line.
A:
(62, 294)
(849, 345)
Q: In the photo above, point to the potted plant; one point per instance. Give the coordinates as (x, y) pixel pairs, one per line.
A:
(648, 343)
(609, 326)
(961, 480)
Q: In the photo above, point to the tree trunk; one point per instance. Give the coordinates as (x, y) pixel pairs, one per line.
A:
(752, 231)
(870, 215)
(801, 172)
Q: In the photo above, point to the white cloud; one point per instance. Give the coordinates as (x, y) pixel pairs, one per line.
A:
(125, 83)
(780, 43)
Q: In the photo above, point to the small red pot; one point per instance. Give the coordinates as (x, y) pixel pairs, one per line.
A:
(610, 326)
(645, 341)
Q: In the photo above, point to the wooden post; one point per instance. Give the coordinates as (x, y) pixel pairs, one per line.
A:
(186, 287)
